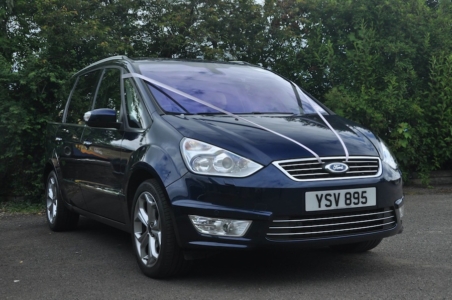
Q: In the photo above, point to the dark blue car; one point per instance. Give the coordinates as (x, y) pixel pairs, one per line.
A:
(195, 157)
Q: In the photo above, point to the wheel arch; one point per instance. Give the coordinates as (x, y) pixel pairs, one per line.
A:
(142, 172)
(49, 167)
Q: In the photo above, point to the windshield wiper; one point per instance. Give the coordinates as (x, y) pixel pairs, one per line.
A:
(266, 113)
(210, 113)
(246, 113)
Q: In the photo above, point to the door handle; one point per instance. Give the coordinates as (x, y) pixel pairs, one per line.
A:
(87, 143)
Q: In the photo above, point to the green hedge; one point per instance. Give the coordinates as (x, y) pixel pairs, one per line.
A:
(384, 64)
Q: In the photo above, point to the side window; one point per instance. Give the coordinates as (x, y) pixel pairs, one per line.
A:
(109, 94)
(66, 89)
(82, 97)
(135, 108)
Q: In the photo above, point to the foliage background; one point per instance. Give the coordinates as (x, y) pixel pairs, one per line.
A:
(384, 64)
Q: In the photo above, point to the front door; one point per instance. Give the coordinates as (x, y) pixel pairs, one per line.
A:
(101, 150)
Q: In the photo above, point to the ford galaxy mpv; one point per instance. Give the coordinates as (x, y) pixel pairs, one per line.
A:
(195, 157)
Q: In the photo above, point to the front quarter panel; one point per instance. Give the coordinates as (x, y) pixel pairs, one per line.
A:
(155, 150)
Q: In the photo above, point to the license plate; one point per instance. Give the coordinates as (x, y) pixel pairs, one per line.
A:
(340, 199)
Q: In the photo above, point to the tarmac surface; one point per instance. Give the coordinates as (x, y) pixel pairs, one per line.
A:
(97, 262)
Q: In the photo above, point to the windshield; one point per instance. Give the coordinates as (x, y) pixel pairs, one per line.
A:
(239, 89)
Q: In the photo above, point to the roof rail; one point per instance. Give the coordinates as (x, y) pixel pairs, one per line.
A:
(240, 62)
(104, 60)
(110, 58)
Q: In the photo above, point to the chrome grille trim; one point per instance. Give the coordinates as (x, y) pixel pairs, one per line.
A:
(329, 231)
(333, 223)
(309, 169)
(324, 225)
(330, 218)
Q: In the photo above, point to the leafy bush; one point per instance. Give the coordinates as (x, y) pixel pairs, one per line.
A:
(384, 64)
(388, 72)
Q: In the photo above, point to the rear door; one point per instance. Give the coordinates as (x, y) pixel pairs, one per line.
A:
(68, 137)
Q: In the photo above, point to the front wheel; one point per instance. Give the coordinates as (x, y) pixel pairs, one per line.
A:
(154, 239)
(59, 217)
(357, 247)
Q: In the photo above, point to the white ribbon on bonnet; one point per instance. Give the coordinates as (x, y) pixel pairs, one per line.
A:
(176, 91)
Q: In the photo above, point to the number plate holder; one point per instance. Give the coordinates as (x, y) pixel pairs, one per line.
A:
(340, 199)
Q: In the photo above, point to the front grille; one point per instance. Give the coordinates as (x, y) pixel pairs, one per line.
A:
(333, 224)
(311, 169)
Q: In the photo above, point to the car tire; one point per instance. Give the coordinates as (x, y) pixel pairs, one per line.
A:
(59, 217)
(153, 236)
(357, 247)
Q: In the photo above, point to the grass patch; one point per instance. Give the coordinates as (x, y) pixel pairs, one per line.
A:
(22, 207)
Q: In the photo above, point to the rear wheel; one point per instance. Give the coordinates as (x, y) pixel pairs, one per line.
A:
(59, 217)
(357, 247)
(154, 239)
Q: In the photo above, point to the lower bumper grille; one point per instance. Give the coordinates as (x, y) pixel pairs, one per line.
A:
(331, 225)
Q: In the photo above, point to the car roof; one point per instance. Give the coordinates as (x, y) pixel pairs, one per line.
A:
(121, 59)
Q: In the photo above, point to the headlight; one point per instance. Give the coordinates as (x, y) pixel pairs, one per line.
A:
(387, 156)
(205, 159)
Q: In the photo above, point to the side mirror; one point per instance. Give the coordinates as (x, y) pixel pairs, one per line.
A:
(101, 117)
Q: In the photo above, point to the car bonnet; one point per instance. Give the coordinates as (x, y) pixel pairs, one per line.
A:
(263, 146)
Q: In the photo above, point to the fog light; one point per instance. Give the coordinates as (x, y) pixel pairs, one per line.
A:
(223, 227)
(402, 211)
(400, 207)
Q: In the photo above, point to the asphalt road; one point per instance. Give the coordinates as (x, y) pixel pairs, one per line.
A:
(97, 262)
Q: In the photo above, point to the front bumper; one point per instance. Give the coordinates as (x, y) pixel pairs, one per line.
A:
(270, 196)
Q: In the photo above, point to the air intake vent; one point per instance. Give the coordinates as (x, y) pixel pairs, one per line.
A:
(331, 225)
(310, 169)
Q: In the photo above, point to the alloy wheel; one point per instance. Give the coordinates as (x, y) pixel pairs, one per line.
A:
(52, 199)
(147, 229)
